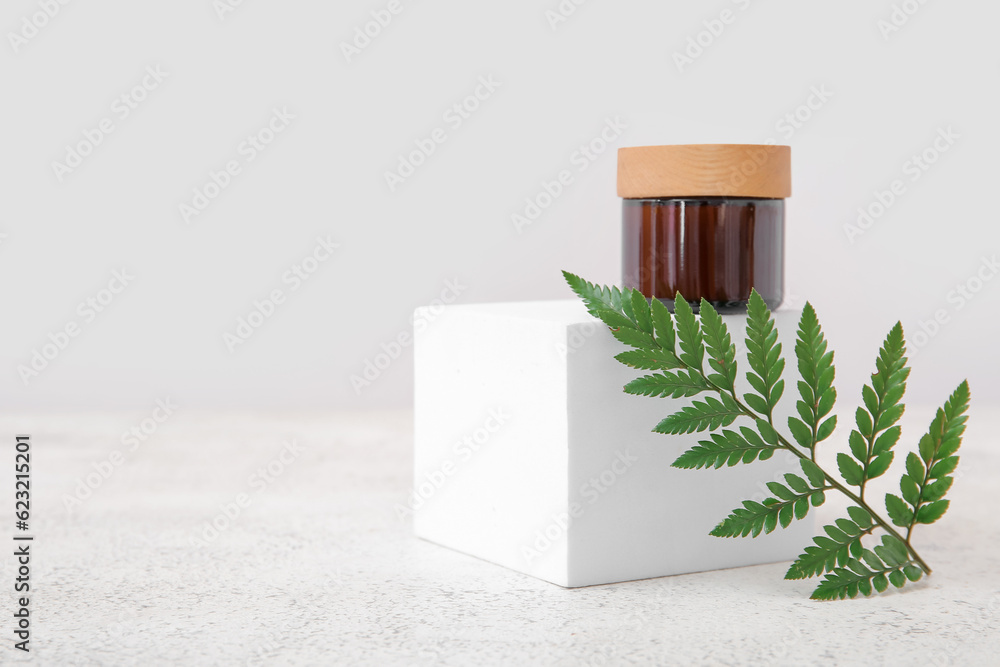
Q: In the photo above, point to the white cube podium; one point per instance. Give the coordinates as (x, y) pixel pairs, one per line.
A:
(528, 454)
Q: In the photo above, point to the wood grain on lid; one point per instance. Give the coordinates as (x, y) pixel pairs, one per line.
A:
(705, 170)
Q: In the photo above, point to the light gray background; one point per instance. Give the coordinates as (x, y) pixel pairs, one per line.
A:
(322, 568)
(324, 175)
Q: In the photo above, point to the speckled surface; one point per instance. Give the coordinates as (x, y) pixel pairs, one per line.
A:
(320, 570)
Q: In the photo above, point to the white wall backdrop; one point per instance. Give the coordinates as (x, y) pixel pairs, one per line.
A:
(114, 113)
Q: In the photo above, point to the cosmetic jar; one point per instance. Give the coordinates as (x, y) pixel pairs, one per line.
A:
(705, 220)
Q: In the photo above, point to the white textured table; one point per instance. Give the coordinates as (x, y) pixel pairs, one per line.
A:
(318, 569)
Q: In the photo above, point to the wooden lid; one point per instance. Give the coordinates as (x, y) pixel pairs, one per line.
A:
(705, 170)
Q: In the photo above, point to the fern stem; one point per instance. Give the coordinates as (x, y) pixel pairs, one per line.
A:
(815, 432)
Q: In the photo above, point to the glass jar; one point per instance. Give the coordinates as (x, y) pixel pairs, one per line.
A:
(707, 221)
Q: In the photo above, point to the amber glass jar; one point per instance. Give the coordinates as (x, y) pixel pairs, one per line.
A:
(707, 221)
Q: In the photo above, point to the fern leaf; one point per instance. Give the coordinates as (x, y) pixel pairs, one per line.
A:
(675, 385)
(872, 441)
(763, 357)
(816, 388)
(594, 297)
(841, 543)
(689, 334)
(873, 572)
(719, 344)
(650, 360)
(928, 476)
(700, 415)
(754, 518)
(663, 326)
(641, 311)
(726, 448)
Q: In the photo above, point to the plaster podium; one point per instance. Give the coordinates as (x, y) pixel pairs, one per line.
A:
(529, 455)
